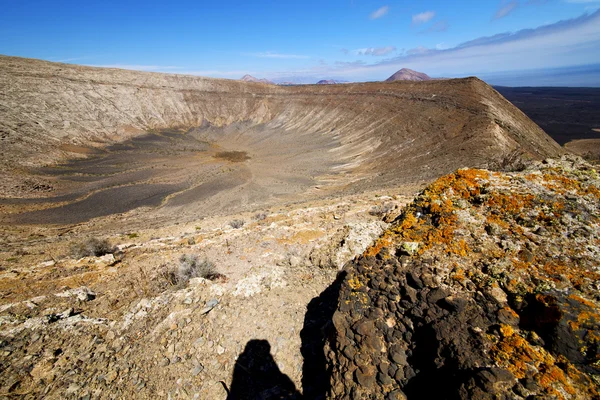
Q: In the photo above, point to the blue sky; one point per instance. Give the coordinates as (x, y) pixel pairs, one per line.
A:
(350, 40)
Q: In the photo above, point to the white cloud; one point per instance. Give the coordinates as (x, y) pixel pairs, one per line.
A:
(561, 44)
(272, 54)
(506, 9)
(380, 12)
(376, 51)
(418, 50)
(423, 17)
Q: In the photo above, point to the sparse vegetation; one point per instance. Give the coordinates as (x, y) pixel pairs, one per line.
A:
(511, 162)
(237, 223)
(381, 209)
(259, 216)
(190, 266)
(132, 235)
(91, 247)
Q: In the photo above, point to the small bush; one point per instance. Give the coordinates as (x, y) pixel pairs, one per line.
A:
(236, 223)
(91, 247)
(512, 162)
(259, 216)
(190, 267)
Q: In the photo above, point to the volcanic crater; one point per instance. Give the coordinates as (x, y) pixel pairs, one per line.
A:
(81, 142)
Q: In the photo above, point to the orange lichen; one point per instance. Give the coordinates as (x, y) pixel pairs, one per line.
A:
(384, 241)
(355, 283)
(458, 274)
(517, 355)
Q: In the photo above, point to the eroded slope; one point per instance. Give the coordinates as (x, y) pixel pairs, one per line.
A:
(373, 134)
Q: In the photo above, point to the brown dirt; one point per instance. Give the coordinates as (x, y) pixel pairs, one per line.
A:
(586, 148)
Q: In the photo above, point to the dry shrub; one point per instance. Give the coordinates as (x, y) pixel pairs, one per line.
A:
(190, 266)
(236, 223)
(91, 247)
(259, 216)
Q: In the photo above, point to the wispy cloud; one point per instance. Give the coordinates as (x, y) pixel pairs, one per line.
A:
(506, 8)
(565, 43)
(439, 26)
(380, 12)
(376, 51)
(272, 54)
(418, 51)
(423, 17)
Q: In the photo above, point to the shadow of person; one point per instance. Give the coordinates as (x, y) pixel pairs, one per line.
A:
(317, 328)
(256, 376)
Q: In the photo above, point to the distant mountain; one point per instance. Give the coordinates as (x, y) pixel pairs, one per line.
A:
(406, 74)
(250, 78)
(329, 82)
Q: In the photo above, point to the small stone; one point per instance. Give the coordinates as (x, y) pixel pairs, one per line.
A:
(364, 328)
(295, 261)
(209, 306)
(197, 369)
(410, 248)
(413, 280)
(366, 376)
(399, 357)
(220, 350)
(383, 379)
(164, 362)
(396, 395)
(111, 376)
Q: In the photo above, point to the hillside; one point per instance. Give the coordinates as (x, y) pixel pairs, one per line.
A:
(406, 74)
(250, 78)
(66, 130)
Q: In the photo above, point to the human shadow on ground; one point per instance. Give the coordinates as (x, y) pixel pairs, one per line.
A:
(256, 375)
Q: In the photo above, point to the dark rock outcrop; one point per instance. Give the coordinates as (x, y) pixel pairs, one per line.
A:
(485, 287)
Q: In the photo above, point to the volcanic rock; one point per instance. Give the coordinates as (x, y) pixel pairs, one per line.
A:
(473, 312)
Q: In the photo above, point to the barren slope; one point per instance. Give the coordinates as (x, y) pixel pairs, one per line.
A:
(321, 138)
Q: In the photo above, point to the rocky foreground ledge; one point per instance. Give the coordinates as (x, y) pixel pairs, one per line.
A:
(485, 287)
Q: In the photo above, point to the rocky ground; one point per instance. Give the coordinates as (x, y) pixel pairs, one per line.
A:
(116, 326)
(487, 287)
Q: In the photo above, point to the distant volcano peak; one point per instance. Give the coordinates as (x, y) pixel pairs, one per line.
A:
(406, 74)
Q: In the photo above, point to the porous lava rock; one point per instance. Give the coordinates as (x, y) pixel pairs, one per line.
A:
(486, 287)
